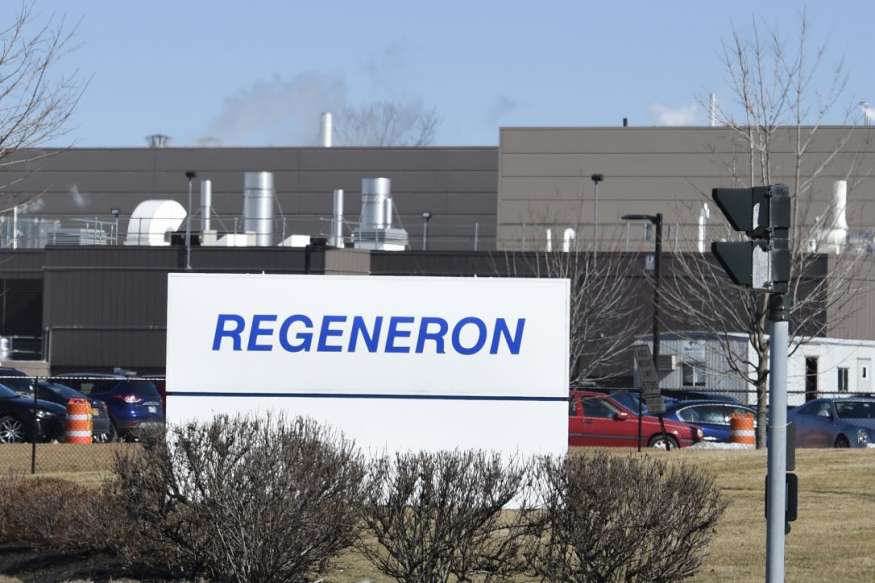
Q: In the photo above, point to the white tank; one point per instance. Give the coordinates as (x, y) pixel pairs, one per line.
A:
(152, 220)
(834, 229)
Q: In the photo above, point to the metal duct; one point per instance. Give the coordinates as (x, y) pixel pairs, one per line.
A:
(258, 206)
(337, 220)
(206, 203)
(375, 194)
(327, 132)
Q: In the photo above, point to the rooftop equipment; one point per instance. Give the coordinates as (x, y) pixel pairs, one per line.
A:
(258, 201)
(336, 239)
(206, 203)
(834, 232)
(152, 220)
(327, 130)
(375, 229)
(157, 140)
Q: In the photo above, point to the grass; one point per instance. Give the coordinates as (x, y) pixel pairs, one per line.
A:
(833, 539)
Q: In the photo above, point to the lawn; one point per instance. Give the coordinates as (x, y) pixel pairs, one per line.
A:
(833, 540)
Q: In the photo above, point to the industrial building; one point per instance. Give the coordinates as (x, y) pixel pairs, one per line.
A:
(83, 269)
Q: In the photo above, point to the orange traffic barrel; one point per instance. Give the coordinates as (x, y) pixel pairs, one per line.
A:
(742, 430)
(79, 421)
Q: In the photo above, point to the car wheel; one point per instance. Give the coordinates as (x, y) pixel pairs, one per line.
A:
(842, 441)
(663, 441)
(110, 436)
(11, 430)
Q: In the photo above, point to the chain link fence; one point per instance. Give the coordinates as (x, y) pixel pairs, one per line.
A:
(36, 427)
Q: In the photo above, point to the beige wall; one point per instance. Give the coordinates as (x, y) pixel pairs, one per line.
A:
(544, 180)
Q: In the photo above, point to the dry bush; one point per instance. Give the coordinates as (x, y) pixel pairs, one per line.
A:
(607, 519)
(242, 499)
(430, 517)
(54, 515)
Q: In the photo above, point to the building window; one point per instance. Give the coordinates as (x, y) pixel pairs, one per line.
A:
(843, 379)
(693, 376)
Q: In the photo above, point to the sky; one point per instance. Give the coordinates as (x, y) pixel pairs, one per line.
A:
(259, 72)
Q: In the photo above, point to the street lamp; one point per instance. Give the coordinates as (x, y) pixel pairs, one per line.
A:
(655, 220)
(426, 217)
(190, 174)
(596, 178)
(115, 213)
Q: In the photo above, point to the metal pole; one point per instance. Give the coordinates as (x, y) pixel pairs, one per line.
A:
(476, 236)
(640, 414)
(190, 175)
(777, 445)
(33, 387)
(656, 260)
(596, 217)
(425, 235)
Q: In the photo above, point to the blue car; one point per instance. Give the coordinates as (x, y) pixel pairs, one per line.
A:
(711, 416)
(845, 422)
(133, 404)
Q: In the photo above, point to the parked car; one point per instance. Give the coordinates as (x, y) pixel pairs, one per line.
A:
(133, 404)
(688, 395)
(712, 416)
(629, 398)
(837, 422)
(23, 420)
(597, 419)
(19, 382)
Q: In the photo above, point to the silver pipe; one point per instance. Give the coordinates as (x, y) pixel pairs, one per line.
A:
(777, 453)
(206, 203)
(258, 202)
(327, 132)
(337, 220)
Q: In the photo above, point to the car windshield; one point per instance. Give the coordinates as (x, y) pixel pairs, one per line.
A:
(15, 383)
(855, 409)
(7, 393)
(61, 390)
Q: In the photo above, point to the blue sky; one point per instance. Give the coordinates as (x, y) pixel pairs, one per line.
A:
(258, 72)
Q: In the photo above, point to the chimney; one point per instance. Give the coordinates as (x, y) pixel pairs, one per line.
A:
(327, 130)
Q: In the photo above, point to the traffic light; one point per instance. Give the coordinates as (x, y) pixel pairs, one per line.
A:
(763, 213)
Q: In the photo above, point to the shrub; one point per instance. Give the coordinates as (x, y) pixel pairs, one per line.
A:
(244, 499)
(54, 515)
(605, 519)
(430, 516)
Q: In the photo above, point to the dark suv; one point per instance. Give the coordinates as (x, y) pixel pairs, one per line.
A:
(133, 404)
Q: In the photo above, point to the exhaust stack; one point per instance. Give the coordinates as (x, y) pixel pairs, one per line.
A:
(327, 130)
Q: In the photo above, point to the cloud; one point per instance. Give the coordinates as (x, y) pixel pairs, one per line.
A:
(682, 115)
(278, 111)
(501, 107)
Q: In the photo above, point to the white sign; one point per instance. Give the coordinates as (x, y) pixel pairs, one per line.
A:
(393, 362)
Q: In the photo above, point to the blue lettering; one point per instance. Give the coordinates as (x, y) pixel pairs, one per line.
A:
(481, 337)
(394, 333)
(437, 336)
(371, 340)
(305, 338)
(257, 331)
(501, 330)
(325, 332)
(233, 334)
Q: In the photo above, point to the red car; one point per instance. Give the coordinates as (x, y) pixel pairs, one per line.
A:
(597, 419)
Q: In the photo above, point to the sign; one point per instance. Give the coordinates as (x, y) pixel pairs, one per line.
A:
(693, 351)
(394, 362)
(649, 378)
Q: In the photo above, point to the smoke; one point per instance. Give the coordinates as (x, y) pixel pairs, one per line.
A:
(501, 107)
(279, 111)
(80, 199)
(34, 205)
(683, 115)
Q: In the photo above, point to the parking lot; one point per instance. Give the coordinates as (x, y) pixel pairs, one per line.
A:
(831, 541)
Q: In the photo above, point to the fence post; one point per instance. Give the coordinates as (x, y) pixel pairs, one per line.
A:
(33, 387)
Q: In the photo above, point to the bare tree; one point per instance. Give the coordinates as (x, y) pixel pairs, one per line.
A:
(387, 123)
(784, 96)
(36, 101)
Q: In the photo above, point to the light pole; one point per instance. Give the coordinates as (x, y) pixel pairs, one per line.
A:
(115, 213)
(426, 217)
(657, 221)
(190, 174)
(596, 178)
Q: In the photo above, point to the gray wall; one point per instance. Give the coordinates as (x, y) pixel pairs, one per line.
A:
(458, 185)
(544, 179)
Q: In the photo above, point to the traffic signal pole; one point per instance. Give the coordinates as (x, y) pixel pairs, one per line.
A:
(777, 446)
(763, 263)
